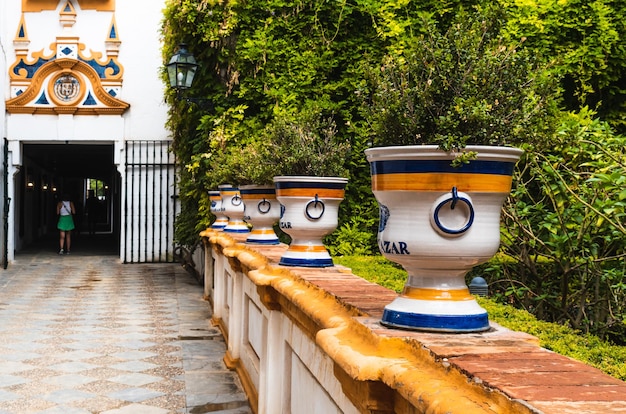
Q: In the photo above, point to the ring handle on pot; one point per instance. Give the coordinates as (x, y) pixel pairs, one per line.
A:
(264, 206)
(236, 200)
(453, 199)
(315, 204)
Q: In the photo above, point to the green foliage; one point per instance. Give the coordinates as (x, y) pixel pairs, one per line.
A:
(288, 145)
(375, 269)
(564, 226)
(462, 86)
(271, 59)
(561, 339)
(586, 38)
(306, 145)
(355, 237)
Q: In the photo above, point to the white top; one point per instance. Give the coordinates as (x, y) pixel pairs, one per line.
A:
(66, 208)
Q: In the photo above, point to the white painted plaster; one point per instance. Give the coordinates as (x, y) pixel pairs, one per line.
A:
(138, 23)
(254, 334)
(140, 53)
(207, 273)
(290, 372)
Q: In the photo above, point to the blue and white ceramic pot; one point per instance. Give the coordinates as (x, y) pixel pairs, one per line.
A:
(233, 207)
(216, 208)
(310, 210)
(262, 211)
(439, 221)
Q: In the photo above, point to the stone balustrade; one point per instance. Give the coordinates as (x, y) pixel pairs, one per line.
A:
(309, 341)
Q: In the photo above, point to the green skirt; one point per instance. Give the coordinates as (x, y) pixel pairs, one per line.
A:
(66, 223)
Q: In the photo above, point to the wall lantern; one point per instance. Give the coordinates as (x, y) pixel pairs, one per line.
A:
(181, 71)
(30, 182)
(44, 183)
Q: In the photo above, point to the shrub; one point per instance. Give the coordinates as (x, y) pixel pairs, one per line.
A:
(463, 86)
(564, 228)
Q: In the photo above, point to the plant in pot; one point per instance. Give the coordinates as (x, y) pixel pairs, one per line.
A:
(300, 160)
(309, 164)
(247, 166)
(442, 115)
(221, 220)
(226, 203)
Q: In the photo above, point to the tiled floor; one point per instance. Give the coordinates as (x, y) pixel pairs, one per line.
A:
(86, 334)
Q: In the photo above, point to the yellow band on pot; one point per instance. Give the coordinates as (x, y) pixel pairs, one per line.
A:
(437, 294)
(307, 248)
(262, 231)
(252, 196)
(310, 192)
(442, 182)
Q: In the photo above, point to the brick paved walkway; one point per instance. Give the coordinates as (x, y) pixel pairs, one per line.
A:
(86, 334)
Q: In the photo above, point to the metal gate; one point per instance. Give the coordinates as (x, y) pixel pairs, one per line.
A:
(149, 205)
(7, 204)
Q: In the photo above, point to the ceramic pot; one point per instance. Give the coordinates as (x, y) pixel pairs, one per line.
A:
(438, 222)
(310, 209)
(262, 211)
(216, 208)
(233, 207)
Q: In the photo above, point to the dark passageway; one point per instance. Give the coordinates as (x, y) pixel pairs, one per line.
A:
(101, 244)
(52, 169)
(73, 160)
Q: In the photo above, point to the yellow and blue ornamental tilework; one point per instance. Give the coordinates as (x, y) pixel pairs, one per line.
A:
(261, 199)
(233, 207)
(330, 190)
(216, 208)
(309, 255)
(421, 307)
(440, 175)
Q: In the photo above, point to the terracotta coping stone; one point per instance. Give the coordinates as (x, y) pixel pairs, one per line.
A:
(499, 359)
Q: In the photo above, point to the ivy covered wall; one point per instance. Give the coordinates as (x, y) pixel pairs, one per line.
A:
(269, 57)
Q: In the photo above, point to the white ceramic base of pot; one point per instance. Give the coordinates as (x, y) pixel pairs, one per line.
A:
(262, 236)
(220, 223)
(435, 315)
(306, 255)
(236, 226)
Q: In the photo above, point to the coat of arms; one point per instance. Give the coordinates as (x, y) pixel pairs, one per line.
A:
(66, 88)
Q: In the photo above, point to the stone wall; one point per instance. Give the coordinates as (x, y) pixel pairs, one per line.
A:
(309, 341)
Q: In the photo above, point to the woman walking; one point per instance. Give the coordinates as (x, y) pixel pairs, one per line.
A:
(65, 210)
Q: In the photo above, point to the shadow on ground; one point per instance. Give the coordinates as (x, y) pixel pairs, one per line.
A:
(100, 244)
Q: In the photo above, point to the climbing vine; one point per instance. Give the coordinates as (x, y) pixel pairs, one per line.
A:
(269, 57)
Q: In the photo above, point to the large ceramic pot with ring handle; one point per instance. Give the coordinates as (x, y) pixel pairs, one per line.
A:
(233, 207)
(262, 211)
(438, 221)
(221, 220)
(310, 210)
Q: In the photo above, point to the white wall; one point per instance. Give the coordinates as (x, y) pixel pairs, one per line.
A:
(4, 52)
(3, 66)
(4, 90)
(285, 367)
(140, 54)
(138, 25)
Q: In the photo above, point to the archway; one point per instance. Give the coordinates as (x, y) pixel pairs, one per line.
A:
(52, 169)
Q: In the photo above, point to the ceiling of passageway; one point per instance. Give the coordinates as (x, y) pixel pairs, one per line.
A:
(73, 160)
